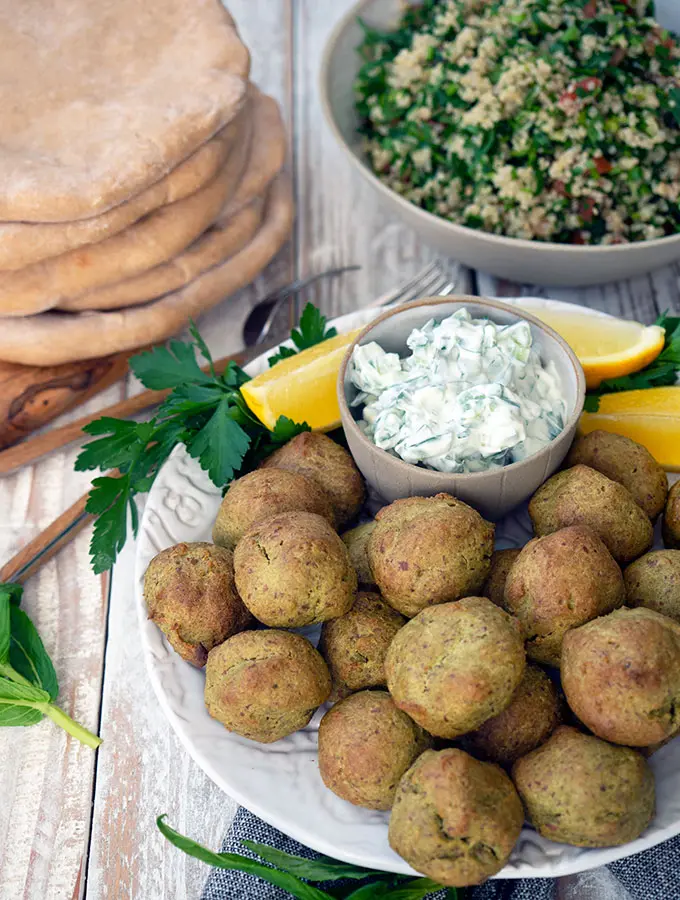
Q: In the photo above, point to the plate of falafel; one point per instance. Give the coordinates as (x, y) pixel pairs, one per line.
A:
(410, 687)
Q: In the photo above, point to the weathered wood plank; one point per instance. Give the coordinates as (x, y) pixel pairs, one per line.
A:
(46, 777)
(143, 770)
(340, 220)
(640, 298)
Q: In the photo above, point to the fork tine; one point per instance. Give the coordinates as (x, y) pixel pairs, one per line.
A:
(409, 288)
(431, 285)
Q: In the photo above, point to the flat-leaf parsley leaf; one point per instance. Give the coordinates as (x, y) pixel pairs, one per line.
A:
(204, 410)
(311, 330)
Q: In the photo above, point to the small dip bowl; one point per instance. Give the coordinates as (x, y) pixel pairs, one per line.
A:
(494, 492)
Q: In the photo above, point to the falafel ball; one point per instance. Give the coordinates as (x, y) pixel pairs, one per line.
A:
(621, 676)
(580, 790)
(356, 541)
(454, 818)
(355, 645)
(264, 493)
(190, 594)
(627, 462)
(264, 685)
(501, 563)
(653, 581)
(456, 665)
(365, 746)
(293, 570)
(582, 496)
(559, 582)
(534, 713)
(328, 464)
(428, 550)
(671, 518)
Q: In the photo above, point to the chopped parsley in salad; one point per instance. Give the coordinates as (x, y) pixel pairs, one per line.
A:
(551, 120)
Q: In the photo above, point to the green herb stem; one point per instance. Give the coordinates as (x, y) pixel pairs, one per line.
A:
(63, 720)
(204, 411)
(6, 671)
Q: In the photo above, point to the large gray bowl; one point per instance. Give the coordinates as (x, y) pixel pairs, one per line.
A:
(495, 492)
(537, 262)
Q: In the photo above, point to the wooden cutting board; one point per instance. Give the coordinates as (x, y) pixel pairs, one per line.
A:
(31, 396)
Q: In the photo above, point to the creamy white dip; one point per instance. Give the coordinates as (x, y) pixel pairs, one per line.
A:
(471, 396)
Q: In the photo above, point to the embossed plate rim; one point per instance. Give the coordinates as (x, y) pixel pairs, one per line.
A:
(277, 781)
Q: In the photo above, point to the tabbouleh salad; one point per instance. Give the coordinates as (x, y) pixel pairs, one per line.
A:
(552, 120)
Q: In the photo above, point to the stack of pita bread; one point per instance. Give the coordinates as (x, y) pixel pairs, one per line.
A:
(141, 173)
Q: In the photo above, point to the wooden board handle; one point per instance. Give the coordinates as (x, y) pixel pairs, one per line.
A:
(43, 547)
(36, 447)
(31, 396)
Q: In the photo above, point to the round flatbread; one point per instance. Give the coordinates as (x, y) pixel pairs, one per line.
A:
(100, 100)
(25, 243)
(222, 240)
(55, 337)
(268, 153)
(153, 240)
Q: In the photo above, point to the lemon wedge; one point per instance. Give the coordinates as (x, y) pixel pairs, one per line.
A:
(606, 347)
(651, 417)
(302, 387)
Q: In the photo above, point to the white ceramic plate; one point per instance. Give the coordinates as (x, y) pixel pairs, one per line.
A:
(280, 782)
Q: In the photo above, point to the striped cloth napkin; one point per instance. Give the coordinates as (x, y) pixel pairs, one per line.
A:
(652, 875)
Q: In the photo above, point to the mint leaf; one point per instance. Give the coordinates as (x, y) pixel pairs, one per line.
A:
(220, 446)
(13, 692)
(323, 868)
(229, 861)
(168, 367)
(28, 682)
(13, 715)
(15, 591)
(28, 656)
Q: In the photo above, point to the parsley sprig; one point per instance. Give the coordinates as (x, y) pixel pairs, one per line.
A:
(663, 371)
(311, 330)
(204, 410)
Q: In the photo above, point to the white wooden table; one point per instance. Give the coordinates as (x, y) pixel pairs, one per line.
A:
(73, 824)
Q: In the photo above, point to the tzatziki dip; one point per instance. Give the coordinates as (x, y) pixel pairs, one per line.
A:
(471, 395)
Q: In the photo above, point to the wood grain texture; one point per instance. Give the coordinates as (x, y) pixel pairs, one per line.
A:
(50, 791)
(30, 397)
(340, 220)
(641, 298)
(46, 777)
(143, 770)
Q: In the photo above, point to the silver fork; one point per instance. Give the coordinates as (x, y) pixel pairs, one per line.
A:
(432, 280)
